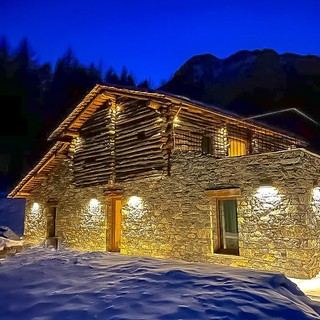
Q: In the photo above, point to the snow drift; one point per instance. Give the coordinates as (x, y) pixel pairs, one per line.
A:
(44, 284)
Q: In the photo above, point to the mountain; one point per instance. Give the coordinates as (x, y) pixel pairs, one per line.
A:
(252, 83)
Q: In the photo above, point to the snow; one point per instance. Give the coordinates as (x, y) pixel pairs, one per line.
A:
(8, 243)
(311, 287)
(9, 238)
(40, 283)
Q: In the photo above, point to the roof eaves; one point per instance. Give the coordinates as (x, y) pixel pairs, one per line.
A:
(54, 149)
(76, 111)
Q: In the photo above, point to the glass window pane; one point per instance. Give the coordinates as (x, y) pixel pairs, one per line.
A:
(228, 223)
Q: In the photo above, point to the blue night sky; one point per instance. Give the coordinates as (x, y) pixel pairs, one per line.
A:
(153, 38)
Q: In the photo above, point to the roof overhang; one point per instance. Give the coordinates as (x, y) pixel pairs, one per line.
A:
(40, 171)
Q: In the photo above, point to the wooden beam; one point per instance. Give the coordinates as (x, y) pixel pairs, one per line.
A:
(122, 94)
(223, 193)
(21, 195)
(41, 175)
(46, 163)
(87, 108)
(71, 133)
(153, 104)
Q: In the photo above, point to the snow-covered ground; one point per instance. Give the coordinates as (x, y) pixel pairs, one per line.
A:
(9, 239)
(7, 243)
(41, 284)
(311, 287)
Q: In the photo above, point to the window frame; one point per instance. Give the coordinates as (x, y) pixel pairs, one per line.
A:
(232, 193)
(218, 249)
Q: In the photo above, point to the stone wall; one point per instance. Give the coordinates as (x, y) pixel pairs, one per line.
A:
(276, 233)
(171, 217)
(80, 225)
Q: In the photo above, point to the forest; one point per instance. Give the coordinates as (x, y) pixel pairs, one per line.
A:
(35, 97)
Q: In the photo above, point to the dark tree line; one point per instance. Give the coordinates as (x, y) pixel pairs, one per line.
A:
(35, 97)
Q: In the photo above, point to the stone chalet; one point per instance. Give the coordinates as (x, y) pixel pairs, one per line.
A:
(152, 174)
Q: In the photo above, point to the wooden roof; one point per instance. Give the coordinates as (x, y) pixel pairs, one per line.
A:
(99, 95)
(95, 99)
(40, 171)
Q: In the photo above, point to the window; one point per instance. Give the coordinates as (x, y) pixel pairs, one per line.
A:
(227, 225)
(207, 144)
(224, 221)
(237, 147)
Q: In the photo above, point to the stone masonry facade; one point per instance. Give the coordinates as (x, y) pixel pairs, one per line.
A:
(176, 219)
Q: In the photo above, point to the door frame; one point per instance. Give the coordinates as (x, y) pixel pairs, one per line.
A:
(51, 214)
(115, 225)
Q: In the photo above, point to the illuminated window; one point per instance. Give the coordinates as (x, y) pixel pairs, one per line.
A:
(227, 223)
(237, 147)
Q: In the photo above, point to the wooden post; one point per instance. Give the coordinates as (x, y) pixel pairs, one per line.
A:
(112, 133)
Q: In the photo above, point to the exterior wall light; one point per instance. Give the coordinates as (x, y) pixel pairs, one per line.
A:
(135, 208)
(267, 195)
(135, 202)
(35, 207)
(316, 194)
(35, 215)
(94, 205)
(91, 213)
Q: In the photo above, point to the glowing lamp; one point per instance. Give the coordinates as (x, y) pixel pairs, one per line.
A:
(134, 201)
(94, 204)
(35, 206)
(267, 194)
(316, 194)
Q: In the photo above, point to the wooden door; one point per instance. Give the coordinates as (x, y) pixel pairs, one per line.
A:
(116, 224)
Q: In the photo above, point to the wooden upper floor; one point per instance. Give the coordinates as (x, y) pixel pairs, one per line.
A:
(119, 134)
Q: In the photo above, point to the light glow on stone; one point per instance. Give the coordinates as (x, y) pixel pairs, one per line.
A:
(94, 204)
(92, 213)
(35, 207)
(316, 195)
(135, 202)
(268, 196)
